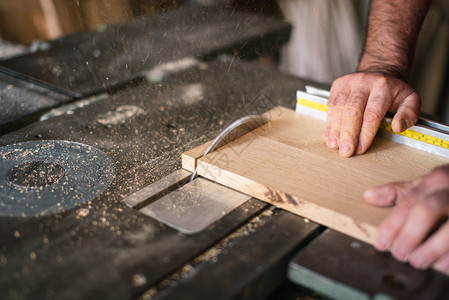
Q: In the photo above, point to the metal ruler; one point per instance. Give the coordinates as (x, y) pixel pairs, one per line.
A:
(426, 135)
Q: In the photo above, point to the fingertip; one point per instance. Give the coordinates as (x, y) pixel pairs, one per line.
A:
(419, 262)
(332, 142)
(400, 253)
(399, 126)
(402, 125)
(370, 195)
(385, 236)
(363, 144)
(382, 243)
(442, 264)
(346, 150)
(381, 195)
(366, 138)
(407, 115)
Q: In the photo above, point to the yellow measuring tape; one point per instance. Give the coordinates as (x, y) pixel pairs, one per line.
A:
(311, 104)
(418, 136)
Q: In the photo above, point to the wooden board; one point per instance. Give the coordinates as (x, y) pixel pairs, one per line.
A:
(286, 163)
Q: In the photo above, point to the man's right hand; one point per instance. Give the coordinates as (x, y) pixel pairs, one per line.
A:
(357, 104)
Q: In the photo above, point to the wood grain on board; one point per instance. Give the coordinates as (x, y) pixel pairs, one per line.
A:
(286, 163)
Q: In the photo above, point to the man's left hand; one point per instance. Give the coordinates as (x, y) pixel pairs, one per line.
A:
(417, 230)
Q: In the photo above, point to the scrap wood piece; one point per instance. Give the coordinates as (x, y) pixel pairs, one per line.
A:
(286, 163)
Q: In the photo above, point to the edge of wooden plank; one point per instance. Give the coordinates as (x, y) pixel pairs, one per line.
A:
(189, 158)
(324, 216)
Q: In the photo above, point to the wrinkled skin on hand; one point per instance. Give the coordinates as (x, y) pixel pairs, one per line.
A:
(417, 230)
(357, 104)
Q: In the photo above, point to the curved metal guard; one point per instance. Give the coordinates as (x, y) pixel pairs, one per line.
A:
(232, 132)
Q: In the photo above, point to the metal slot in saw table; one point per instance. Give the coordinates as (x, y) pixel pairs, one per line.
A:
(187, 206)
(23, 102)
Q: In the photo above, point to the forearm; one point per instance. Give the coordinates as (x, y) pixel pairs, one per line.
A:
(359, 101)
(393, 28)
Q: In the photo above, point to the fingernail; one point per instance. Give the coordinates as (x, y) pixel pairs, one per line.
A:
(419, 263)
(344, 149)
(332, 142)
(400, 254)
(382, 244)
(369, 193)
(380, 192)
(402, 125)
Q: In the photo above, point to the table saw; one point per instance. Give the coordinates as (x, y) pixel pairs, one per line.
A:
(77, 170)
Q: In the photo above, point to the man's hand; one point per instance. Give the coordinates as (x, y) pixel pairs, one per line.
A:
(359, 101)
(417, 230)
(357, 104)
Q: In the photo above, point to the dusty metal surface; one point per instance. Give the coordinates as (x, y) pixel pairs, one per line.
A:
(55, 72)
(104, 248)
(44, 177)
(344, 268)
(195, 206)
(88, 63)
(185, 110)
(22, 103)
(158, 189)
(248, 264)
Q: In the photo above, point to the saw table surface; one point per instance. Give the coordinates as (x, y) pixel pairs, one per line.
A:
(62, 250)
(103, 61)
(92, 62)
(22, 102)
(341, 267)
